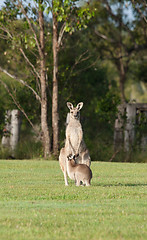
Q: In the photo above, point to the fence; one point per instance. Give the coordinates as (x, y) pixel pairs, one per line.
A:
(130, 116)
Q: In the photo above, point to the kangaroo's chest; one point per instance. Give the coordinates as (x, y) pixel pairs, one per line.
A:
(74, 133)
(70, 171)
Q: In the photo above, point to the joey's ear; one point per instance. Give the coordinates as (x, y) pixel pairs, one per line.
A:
(69, 105)
(69, 157)
(79, 106)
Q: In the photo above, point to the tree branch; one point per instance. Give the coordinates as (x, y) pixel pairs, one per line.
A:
(6, 31)
(2, 36)
(77, 62)
(17, 104)
(30, 25)
(22, 82)
(103, 36)
(28, 61)
(139, 11)
(114, 155)
(62, 30)
(89, 66)
(109, 9)
(20, 48)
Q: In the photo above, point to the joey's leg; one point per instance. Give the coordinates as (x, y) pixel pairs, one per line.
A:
(87, 183)
(78, 183)
(83, 183)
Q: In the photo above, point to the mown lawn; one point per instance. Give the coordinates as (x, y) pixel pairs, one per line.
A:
(35, 204)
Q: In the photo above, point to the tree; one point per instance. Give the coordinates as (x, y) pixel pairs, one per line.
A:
(68, 17)
(43, 81)
(140, 7)
(55, 114)
(119, 37)
(20, 42)
(71, 18)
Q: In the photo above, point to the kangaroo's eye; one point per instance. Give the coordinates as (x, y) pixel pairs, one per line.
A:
(71, 111)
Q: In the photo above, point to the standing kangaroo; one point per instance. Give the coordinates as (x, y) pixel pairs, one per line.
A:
(78, 172)
(74, 143)
(74, 133)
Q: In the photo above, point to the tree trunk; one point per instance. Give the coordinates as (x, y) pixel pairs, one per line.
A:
(122, 80)
(44, 107)
(55, 114)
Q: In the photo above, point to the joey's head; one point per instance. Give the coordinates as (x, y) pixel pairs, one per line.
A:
(75, 111)
(72, 157)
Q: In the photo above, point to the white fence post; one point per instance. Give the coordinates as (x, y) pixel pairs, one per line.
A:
(129, 133)
(119, 128)
(7, 130)
(15, 128)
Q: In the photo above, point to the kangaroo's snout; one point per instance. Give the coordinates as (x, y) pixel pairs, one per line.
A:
(75, 113)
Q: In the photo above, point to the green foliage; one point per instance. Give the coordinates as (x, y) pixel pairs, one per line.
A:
(142, 73)
(29, 146)
(23, 97)
(88, 66)
(5, 153)
(74, 16)
(35, 204)
(9, 11)
(107, 107)
(90, 85)
(18, 36)
(28, 150)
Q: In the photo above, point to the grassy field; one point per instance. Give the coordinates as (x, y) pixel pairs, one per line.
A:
(35, 204)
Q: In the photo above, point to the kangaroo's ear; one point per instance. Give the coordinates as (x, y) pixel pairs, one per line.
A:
(69, 105)
(79, 106)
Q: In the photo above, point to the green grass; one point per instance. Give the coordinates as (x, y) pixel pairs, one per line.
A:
(35, 204)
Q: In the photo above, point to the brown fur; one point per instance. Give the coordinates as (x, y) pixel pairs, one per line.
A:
(78, 172)
(74, 143)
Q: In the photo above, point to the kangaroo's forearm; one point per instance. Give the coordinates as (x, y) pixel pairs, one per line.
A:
(74, 151)
(79, 144)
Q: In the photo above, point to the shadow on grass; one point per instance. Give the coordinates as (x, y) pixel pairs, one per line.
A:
(119, 184)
